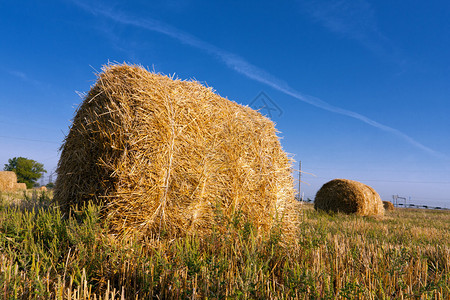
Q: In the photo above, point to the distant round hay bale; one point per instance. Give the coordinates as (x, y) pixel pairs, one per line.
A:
(170, 156)
(348, 196)
(21, 186)
(388, 205)
(8, 180)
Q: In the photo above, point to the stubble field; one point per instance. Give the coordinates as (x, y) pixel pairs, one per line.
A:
(403, 255)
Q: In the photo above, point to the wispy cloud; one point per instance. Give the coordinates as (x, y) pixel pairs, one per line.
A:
(356, 20)
(24, 77)
(240, 65)
(19, 74)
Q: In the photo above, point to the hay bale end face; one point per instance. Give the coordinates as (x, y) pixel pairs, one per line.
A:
(8, 181)
(388, 205)
(348, 196)
(166, 155)
(21, 186)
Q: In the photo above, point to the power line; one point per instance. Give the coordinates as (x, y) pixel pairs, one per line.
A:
(405, 181)
(299, 179)
(29, 140)
(393, 181)
(380, 170)
(428, 198)
(33, 125)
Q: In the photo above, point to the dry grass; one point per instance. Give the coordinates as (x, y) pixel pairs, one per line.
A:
(348, 196)
(164, 155)
(405, 255)
(26, 200)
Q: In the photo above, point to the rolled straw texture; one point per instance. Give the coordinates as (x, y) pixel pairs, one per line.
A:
(8, 181)
(388, 205)
(170, 156)
(348, 196)
(21, 186)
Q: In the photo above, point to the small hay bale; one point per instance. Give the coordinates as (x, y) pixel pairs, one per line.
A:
(21, 186)
(8, 181)
(388, 205)
(167, 155)
(42, 188)
(348, 196)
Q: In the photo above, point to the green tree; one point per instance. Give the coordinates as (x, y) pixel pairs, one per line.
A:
(27, 170)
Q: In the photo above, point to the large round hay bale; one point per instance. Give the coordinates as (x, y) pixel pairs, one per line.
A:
(388, 205)
(8, 180)
(21, 186)
(348, 196)
(42, 188)
(171, 156)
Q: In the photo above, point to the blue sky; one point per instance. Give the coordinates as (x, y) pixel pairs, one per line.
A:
(358, 89)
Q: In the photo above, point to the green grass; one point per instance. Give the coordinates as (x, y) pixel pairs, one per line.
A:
(42, 256)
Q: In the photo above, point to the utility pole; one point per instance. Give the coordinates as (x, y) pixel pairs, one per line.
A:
(299, 180)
